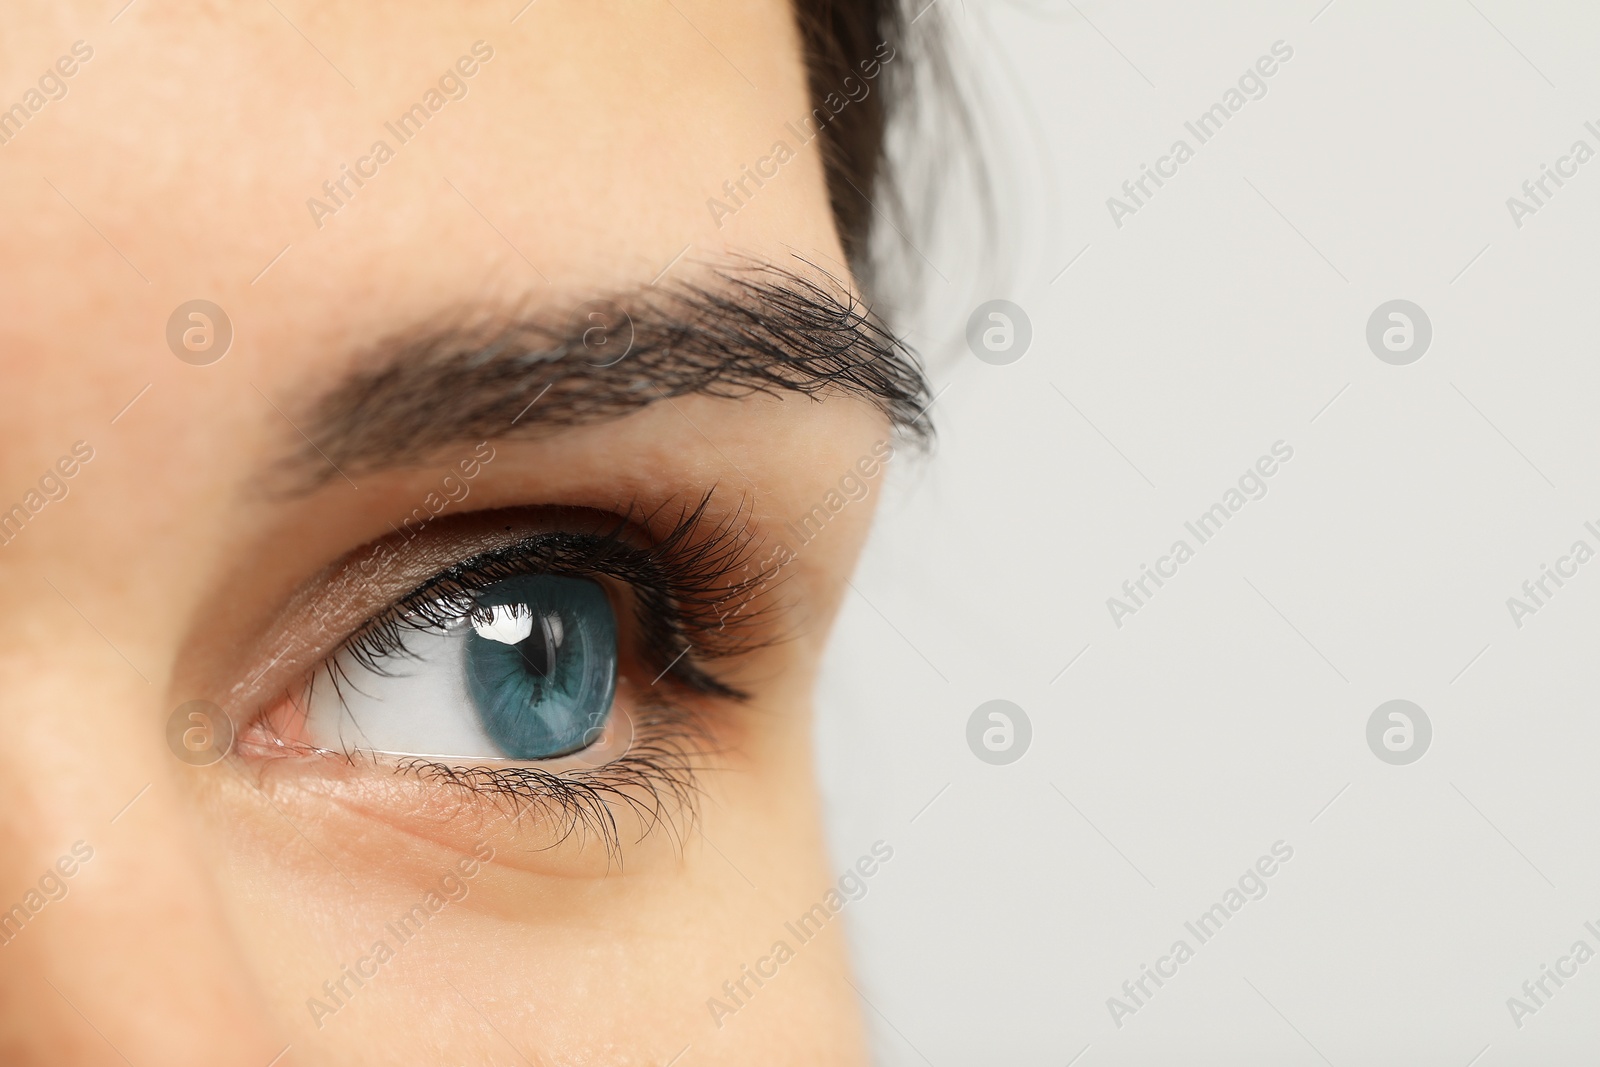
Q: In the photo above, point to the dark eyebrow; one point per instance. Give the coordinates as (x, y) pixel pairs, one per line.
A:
(757, 328)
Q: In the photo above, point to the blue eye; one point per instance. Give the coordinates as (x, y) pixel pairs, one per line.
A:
(541, 664)
(528, 671)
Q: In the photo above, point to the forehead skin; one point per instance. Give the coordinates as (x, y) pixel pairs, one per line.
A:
(178, 166)
(189, 145)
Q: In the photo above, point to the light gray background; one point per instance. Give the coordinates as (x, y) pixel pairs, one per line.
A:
(1226, 315)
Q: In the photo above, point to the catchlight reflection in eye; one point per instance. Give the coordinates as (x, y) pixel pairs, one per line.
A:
(528, 674)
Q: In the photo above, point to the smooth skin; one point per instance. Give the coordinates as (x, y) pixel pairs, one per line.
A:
(219, 899)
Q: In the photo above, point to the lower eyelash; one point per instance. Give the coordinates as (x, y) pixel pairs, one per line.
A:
(656, 779)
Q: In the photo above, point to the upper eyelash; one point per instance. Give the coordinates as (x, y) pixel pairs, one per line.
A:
(695, 592)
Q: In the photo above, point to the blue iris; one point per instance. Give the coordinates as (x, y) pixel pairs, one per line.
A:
(541, 664)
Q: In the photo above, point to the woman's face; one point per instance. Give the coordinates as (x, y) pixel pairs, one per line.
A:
(411, 564)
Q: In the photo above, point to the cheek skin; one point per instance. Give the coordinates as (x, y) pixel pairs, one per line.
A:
(543, 931)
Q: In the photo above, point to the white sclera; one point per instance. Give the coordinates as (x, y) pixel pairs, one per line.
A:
(419, 707)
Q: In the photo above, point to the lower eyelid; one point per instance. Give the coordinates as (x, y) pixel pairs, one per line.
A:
(650, 783)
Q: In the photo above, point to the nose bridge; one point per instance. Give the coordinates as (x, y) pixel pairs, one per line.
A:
(114, 946)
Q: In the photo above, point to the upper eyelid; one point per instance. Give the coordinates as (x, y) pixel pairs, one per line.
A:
(459, 580)
(714, 545)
